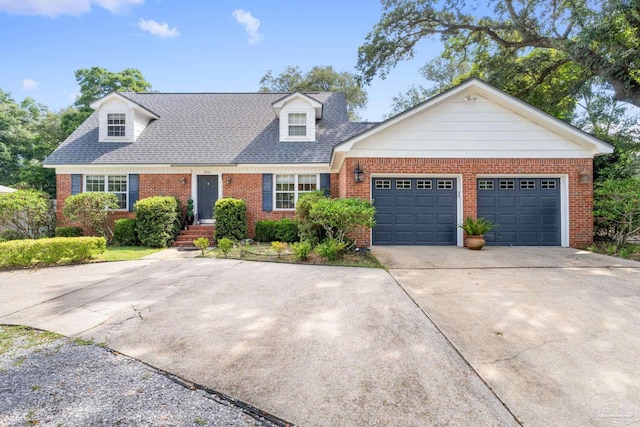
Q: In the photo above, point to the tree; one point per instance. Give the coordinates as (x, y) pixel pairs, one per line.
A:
(96, 82)
(580, 40)
(317, 79)
(28, 211)
(617, 209)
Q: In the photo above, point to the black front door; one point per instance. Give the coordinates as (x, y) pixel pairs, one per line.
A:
(207, 195)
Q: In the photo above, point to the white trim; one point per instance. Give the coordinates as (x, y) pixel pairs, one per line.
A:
(295, 190)
(459, 196)
(279, 104)
(194, 193)
(106, 186)
(97, 104)
(589, 143)
(564, 198)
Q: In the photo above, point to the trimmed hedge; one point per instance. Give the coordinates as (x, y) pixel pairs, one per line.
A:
(284, 230)
(231, 219)
(26, 253)
(125, 233)
(159, 220)
(68, 231)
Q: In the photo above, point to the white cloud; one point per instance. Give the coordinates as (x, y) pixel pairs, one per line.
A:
(251, 25)
(158, 29)
(54, 8)
(30, 84)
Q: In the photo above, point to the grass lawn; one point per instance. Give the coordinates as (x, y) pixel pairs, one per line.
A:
(125, 253)
(264, 252)
(23, 337)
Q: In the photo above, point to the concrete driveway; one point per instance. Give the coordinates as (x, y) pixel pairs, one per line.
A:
(555, 332)
(314, 345)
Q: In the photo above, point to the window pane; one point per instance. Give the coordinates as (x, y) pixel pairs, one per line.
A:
(307, 183)
(285, 201)
(285, 182)
(95, 183)
(297, 131)
(117, 183)
(122, 200)
(297, 119)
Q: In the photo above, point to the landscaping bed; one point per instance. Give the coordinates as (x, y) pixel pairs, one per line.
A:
(265, 252)
(627, 251)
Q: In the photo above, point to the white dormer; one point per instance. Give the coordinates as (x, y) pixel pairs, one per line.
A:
(297, 114)
(120, 119)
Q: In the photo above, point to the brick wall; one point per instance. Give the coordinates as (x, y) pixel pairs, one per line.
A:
(578, 170)
(248, 187)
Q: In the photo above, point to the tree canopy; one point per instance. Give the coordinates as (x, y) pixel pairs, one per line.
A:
(96, 82)
(317, 79)
(562, 44)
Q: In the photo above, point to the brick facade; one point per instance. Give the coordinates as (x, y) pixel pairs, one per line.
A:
(248, 187)
(579, 171)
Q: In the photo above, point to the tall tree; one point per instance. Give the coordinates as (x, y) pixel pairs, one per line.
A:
(595, 39)
(96, 82)
(318, 79)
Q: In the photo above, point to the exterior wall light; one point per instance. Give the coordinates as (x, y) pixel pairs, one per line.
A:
(358, 174)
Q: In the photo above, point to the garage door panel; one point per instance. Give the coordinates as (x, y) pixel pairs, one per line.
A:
(403, 202)
(525, 211)
(424, 218)
(417, 212)
(507, 202)
(424, 201)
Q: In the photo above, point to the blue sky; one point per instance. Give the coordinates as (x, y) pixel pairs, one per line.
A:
(187, 46)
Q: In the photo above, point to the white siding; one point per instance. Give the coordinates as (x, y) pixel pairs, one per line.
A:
(115, 106)
(476, 127)
(297, 106)
(140, 122)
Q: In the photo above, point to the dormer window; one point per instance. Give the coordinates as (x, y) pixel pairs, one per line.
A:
(116, 125)
(297, 124)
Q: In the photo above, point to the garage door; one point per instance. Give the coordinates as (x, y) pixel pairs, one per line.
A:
(526, 210)
(414, 211)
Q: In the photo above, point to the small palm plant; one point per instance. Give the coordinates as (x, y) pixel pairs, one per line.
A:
(476, 227)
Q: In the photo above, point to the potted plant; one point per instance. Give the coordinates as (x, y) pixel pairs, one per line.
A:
(475, 229)
(190, 214)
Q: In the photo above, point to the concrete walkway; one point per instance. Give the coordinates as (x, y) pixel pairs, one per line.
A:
(554, 331)
(311, 344)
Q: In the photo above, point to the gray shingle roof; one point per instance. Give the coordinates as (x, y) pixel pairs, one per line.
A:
(211, 128)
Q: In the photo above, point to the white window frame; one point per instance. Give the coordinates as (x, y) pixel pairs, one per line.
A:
(306, 125)
(296, 192)
(105, 186)
(119, 125)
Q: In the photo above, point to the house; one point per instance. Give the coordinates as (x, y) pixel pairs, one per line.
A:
(470, 151)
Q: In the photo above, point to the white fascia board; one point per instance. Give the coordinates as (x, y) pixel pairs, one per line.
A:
(317, 105)
(134, 105)
(592, 144)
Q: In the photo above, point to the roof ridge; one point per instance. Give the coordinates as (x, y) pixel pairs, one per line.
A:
(227, 93)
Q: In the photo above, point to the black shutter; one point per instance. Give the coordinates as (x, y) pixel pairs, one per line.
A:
(325, 183)
(267, 192)
(133, 190)
(76, 183)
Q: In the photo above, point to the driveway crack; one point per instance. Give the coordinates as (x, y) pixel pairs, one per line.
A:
(520, 353)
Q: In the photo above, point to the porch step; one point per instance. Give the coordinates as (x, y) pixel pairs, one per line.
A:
(186, 237)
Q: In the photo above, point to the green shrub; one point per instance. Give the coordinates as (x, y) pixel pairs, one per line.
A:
(68, 231)
(284, 230)
(231, 219)
(202, 243)
(279, 247)
(50, 251)
(617, 209)
(301, 250)
(29, 212)
(341, 217)
(93, 211)
(8, 235)
(309, 230)
(125, 232)
(331, 249)
(159, 220)
(476, 227)
(225, 244)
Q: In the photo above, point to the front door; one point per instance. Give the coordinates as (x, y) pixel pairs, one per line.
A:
(207, 196)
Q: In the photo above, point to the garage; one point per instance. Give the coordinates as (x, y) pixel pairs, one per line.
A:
(415, 211)
(526, 211)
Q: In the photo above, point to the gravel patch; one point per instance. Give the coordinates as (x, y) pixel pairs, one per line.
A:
(71, 383)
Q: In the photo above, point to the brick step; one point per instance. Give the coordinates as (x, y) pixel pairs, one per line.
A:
(201, 227)
(196, 233)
